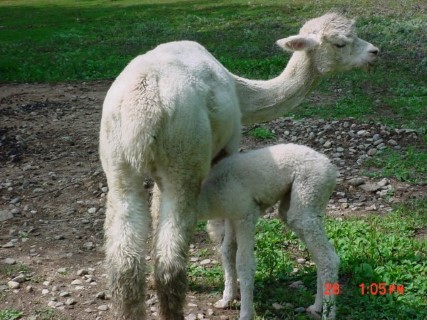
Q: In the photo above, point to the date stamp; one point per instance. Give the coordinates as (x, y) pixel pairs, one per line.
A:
(381, 288)
(332, 289)
(373, 288)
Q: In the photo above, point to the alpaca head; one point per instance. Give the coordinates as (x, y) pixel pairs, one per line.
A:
(332, 44)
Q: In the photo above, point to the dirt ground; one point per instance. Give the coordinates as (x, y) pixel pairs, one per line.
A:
(52, 183)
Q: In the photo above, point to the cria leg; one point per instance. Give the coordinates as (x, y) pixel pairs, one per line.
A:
(311, 231)
(228, 256)
(245, 259)
(126, 228)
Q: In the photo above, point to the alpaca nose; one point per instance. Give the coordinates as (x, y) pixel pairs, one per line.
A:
(374, 51)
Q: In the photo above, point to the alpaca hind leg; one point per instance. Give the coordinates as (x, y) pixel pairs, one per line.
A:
(228, 257)
(127, 226)
(177, 220)
(245, 260)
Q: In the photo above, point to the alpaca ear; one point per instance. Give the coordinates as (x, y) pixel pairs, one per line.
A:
(297, 43)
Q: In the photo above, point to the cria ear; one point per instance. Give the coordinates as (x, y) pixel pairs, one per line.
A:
(297, 43)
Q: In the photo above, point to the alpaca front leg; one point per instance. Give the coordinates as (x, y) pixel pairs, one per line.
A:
(245, 260)
(126, 228)
(228, 257)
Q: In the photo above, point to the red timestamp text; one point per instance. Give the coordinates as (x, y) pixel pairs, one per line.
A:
(381, 288)
(331, 289)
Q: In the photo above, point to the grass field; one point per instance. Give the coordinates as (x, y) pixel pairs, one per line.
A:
(57, 41)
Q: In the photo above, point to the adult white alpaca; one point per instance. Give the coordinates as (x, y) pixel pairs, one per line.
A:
(242, 186)
(167, 115)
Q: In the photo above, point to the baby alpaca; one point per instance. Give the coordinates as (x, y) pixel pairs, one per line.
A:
(242, 186)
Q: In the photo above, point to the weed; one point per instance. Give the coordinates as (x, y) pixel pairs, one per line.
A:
(408, 166)
(262, 133)
(10, 314)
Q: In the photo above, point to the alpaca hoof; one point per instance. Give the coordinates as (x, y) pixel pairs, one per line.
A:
(314, 312)
(222, 304)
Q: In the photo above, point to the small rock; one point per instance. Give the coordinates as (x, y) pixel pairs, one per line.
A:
(372, 208)
(296, 285)
(59, 237)
(70, 302)
(191, 316)
(29, 289)
(340, 149)
(76, 282)
(370, 187)
(62, 270)
(356, 182)
(9, 261)
(301, 260)
(64, 294)
(327, 144)
(299, 310)
(372, 152)
(89, 245)
(277, 306)
(205, 262)
(20, 279)
(191, 305)
(13, 285)
(101, 296)
(92, 210)
(45, 292)
(103, 307)
(5, 215)
(82, 272)
(392, 142)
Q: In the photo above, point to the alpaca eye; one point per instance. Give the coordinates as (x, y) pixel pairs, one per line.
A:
(340, 45)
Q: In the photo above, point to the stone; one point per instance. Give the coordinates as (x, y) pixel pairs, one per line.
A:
(77, 282)
(301, 260)
(327, 144)
(205, 262)
(64, 294)
(9, 261)
(82, 272)
(13, 285)
(20, 279)
(296, 284)
(92, 210)
(10, 244)
(277, 306)
(355, 182)
(70, 302)
(5, 215)
(370, 187)
(372, 152)
(299, 310)
(103, 307)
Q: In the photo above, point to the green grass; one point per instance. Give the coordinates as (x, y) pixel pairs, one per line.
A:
(407, 166)
(48, 41)
(262, 133)
(10, 314)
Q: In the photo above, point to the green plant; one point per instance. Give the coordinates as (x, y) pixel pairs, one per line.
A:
(262, 133)
(10, 314)
(408, 166)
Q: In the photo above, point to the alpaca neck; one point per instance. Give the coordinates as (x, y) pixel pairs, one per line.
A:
(266, 100)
